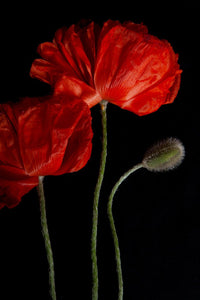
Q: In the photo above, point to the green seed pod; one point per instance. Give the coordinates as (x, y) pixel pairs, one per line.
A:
(164, 156)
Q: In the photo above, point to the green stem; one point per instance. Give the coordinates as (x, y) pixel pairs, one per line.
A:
(45, 233)
(113, 229)
(96, 202)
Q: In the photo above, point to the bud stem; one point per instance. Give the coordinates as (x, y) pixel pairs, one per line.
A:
(113, 229)
(47, 241)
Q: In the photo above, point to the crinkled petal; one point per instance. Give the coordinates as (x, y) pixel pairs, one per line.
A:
(135, 27)
(72, 53)
(9, 147)
(78, 46)
(79, 147)
(13, 185)
(48, 72)
(151, 100)
(43, 133)
(45, 127)
(50, 52)
(73, 87)
(110, 24)
(130, 63)
(173, 91)
(64, 83)
(67, 64)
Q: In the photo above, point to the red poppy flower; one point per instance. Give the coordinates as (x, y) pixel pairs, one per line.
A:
(120, 63)
(39, 137)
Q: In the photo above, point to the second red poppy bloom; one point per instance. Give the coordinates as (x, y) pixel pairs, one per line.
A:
(39, 137)
(120, 63)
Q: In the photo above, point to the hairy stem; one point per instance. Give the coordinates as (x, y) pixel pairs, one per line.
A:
(113, 229)
(46, 237)
(96, 202)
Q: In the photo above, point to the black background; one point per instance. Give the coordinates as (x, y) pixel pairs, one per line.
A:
(157, 215)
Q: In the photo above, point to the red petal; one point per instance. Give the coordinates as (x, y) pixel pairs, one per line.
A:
(13, 185)
(51, 53)
(13, 181)
(64, 84)
(68, 62)
(135, 27)
(79, 49)
(130, 63)
(72, 52)
(173, 91)
(140, 28)
(9, 147)
(150, 100)
(73, 87)
(89, 36)
(47, 71)
(79, 146)
(45, 126)
(42, 138)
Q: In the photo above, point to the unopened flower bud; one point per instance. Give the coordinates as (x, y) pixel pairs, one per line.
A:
(165, 155)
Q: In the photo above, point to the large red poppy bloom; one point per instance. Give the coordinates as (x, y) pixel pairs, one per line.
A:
(41, 137)
(120, 63)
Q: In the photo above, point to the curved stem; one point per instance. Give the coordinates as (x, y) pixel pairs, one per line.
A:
(96, 202)
(113, 229)
(46, 237)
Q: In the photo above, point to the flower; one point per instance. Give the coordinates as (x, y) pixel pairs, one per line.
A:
(39, 137)
(120, 63)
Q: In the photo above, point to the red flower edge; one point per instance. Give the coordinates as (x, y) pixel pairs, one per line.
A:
(39, 137)
(120, 63)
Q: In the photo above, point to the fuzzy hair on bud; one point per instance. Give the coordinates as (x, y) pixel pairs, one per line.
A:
(164, 155)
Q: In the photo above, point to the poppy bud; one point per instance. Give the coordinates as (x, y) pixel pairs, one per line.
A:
(164, 156)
